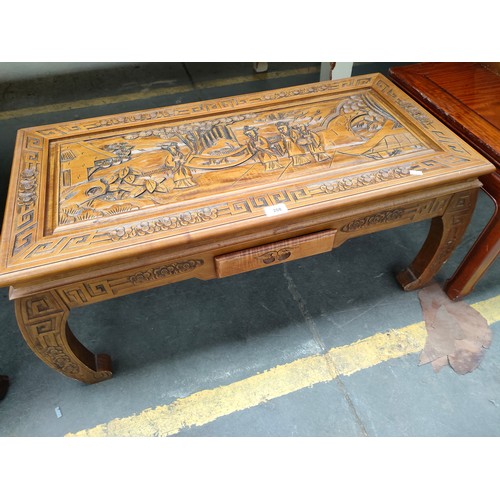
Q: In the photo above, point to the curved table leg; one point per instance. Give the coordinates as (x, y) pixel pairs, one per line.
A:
(42, 319)
(4, 385)
(444, 235)
(484, 251)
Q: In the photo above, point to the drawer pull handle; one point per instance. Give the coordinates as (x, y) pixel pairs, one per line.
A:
(277, 256)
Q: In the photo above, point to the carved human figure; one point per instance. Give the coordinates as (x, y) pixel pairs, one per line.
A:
(311, 142)
(289, 144)
(175, 160)
(259, 147)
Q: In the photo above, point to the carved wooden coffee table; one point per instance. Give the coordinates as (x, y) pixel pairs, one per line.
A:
(104, 207)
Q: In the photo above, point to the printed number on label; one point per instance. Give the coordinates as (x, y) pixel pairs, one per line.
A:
(278, 209)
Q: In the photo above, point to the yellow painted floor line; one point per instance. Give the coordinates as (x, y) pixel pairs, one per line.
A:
(206, 406)
(134, 96)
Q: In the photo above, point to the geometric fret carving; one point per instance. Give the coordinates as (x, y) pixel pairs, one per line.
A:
(459, 213)
(444, 235)
(43, 316)
(42, 319)
(25, 230)
(83, 293)
(90, 291)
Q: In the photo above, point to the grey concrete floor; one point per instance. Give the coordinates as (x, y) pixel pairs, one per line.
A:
(183, 339)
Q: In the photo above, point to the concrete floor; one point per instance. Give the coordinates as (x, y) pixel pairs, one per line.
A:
(190, 358)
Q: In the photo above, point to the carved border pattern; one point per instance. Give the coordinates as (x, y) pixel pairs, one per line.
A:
(360, 180)
(189, 109)
(459, 210)
(27, 193)
(164, 224)
(163, 271)
(67, 244)
(84, 293)
(28, 184)
(41, 318)
(253, 203)
(314, 89)
(419, 211)
(408, 106)
(444, 137)
(99, 289)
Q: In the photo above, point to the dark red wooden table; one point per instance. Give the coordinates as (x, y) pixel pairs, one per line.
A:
(466, 97)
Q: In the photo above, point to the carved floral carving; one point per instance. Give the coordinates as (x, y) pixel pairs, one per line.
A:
(371, 220)
(357, 181)
(168, 270)
(27, 186)
(164, 224)
(61, 360)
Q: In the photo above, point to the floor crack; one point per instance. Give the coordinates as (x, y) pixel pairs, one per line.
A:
(294, 292)
(336, 377)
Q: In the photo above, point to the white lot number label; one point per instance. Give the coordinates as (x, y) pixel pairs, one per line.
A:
(278, 209)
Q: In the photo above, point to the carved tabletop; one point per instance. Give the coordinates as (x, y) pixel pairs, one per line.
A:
(465, 96)
(104, 207)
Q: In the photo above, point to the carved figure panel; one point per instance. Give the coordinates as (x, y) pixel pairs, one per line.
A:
(161, 165)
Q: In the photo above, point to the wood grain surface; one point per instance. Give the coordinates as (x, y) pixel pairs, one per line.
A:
(274, 253)
(465, 96)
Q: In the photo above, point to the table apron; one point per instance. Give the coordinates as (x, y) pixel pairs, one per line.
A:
(200, 263)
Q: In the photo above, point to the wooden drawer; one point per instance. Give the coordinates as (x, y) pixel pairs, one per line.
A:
(274, 253)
